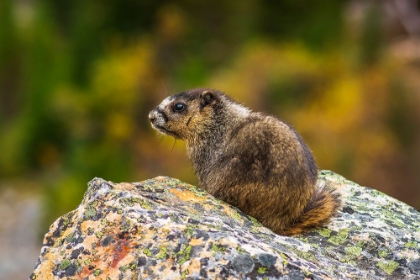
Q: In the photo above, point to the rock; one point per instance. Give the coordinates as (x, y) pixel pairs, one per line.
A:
(165, 229)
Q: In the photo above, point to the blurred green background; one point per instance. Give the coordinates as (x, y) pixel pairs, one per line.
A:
(78, 78)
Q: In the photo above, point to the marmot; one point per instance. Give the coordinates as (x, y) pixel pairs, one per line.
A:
(250, 160)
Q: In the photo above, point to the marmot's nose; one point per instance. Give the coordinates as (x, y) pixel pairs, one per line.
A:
(152, 115)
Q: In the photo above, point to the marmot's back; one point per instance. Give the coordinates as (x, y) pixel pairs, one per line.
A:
(250, 160)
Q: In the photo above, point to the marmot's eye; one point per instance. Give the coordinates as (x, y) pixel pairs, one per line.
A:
(179, 107)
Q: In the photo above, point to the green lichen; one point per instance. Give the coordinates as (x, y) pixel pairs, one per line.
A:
(340, 238)
(216, 248)
(411, 244)
(325, 232)
(198, 192)
(353, 251)
(307, 256)
(124, 268)
(184, 274)
(387, 266)
(147, 252)
(382, 253)
(262, 270)
(255, 222)
(285, 259)
(235, 215)
(189, 230)
(184, 254)
(69, 237)
(126, 224)
(89, 213)
(99, 234)
(240, 250)
(94, 203)
(127, 201)
(87, 262)
(64, 264)
(145, 204)
(163, 251)
(97, 272)
(133, 266)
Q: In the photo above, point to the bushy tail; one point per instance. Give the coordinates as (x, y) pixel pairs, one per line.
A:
(319, 211)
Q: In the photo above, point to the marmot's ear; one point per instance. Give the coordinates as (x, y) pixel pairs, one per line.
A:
(207, 98)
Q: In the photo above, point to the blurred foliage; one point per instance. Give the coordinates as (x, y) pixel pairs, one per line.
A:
(78, 79)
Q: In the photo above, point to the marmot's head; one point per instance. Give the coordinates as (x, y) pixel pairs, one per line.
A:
(187, 114)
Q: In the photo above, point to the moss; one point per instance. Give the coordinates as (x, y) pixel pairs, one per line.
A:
(387, 266)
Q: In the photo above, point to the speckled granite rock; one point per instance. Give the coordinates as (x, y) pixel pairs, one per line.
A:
(165, 229)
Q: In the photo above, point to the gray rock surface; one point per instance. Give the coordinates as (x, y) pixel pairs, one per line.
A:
(165, 229)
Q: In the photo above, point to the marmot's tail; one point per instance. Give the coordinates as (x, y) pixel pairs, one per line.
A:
(321, 208)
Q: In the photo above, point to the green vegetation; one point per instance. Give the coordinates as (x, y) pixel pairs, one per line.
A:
(78, 79)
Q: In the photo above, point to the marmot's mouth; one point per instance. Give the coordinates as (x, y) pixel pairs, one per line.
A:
(165, 131)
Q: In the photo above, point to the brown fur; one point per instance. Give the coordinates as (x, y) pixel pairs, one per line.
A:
(253, 161)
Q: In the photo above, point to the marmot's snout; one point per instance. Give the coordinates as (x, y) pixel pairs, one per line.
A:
(157, 117)
(152, 116)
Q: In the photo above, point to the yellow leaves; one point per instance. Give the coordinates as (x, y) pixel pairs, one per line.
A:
(119, 126)
(171, 22)
(118, 78)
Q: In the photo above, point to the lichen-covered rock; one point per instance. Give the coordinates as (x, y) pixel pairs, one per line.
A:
(165, 229)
